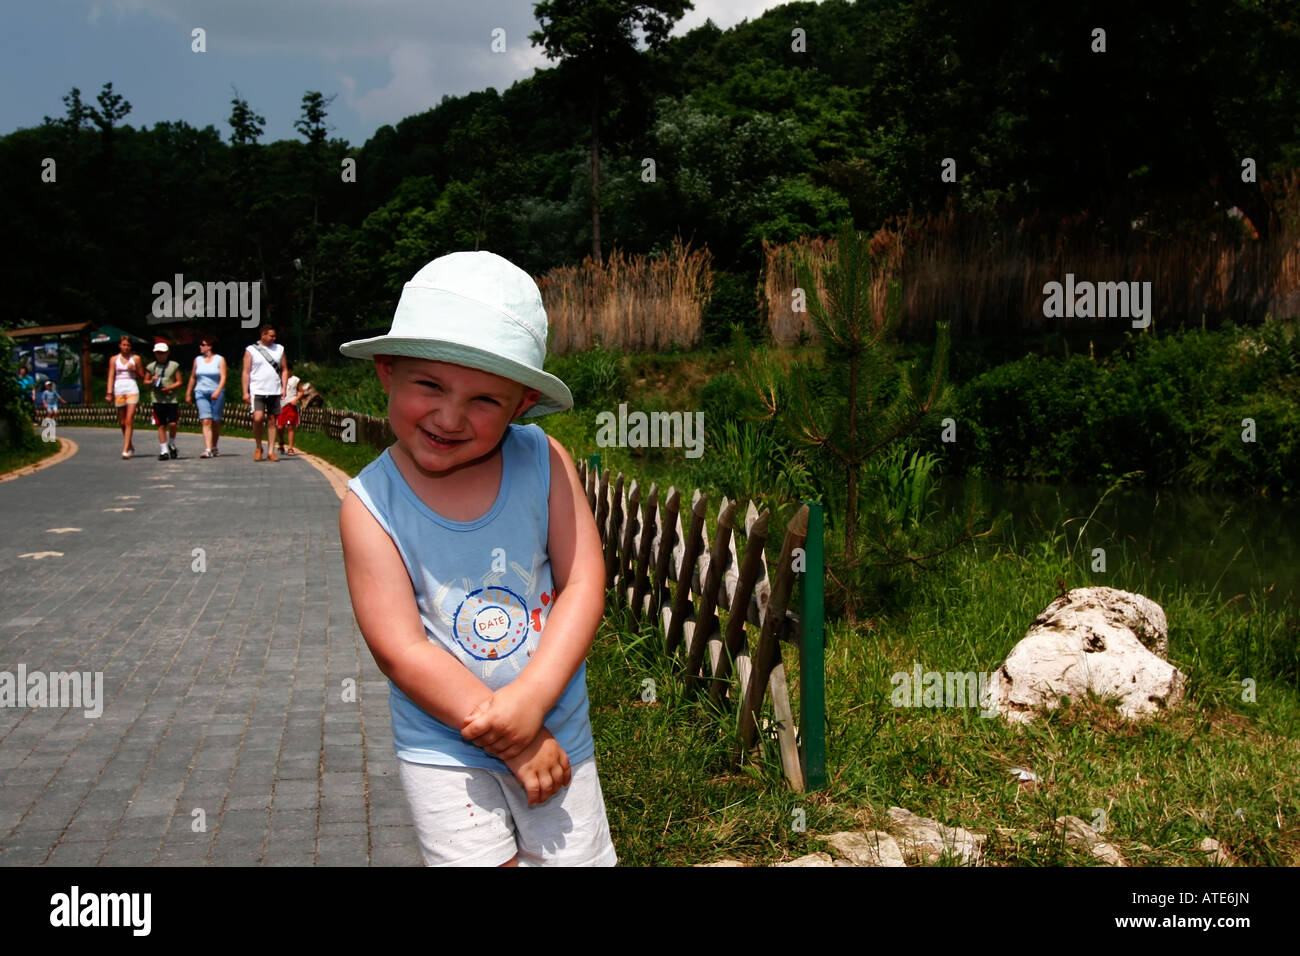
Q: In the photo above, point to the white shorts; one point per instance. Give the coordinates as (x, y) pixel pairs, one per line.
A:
(470, 817)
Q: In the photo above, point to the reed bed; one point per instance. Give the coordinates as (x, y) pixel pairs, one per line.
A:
(987, 278)
(634, 303)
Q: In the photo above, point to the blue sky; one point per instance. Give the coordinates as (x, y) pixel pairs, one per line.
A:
(385, 59)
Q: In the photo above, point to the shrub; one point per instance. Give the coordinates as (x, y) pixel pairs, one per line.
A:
(596, 377)
(16, 433)
(733, 304)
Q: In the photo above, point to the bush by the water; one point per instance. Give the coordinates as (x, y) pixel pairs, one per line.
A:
(1172, 407)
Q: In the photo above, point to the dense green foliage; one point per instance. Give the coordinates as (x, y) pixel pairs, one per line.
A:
(756, 133)
(16, 434)
(1172, 407)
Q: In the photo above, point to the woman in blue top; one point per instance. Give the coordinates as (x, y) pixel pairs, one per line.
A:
(207, 389)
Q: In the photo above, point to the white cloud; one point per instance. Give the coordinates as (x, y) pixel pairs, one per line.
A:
(724, 13)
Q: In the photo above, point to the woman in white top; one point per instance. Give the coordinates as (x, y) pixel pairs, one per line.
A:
(125, 372)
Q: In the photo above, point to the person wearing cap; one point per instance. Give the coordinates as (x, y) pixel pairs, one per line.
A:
(50, 399)
(477, 576)
(164, 377)
(266, 375)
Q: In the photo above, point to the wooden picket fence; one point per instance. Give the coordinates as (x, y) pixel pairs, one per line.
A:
(662, 572)
(329, 421)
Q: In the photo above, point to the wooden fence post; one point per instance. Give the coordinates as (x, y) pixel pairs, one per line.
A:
(685, 572)
(614, 533)
(812, 656)
(641, 572)
(769, 650)
(733, 641)
(706, 620)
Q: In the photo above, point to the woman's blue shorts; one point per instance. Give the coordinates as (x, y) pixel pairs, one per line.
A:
(208, 406)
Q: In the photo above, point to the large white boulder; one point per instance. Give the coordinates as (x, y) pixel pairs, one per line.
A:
(1091, 640)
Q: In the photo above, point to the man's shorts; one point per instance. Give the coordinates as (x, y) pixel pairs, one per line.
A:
(288, 416)
(126, 398)
(267, 403)
(208, 406)
(165, 413)
(470, 817)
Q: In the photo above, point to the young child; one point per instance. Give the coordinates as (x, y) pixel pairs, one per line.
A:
(287, 420)
(476, 575)
(50, 400)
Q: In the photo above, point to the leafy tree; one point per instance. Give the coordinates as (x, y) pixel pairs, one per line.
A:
(245, 125)
(311, 125)
(594, 40)
(112, 108)
(857, 403)
(77, 117)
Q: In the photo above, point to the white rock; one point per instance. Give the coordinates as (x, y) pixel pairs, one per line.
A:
(1093, 640)
(873, 848)
(924, 840)
(1217, 856)
(721, 863)
(1079, 833)
(812, 859)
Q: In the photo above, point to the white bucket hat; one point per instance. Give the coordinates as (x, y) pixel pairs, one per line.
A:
(478, 310)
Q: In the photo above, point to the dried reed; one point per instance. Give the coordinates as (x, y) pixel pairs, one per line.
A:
(987, 279)
(635, 303)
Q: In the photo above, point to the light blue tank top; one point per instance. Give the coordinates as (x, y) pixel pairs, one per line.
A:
(483, 589)
(208, 375)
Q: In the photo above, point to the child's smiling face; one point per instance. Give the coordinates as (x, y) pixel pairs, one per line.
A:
(446, 416)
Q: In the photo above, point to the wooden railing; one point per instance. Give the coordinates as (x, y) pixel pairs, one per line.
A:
(339, 424)
(661, 570)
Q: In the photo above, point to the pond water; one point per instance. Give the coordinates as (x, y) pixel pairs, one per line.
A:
(1228, 545)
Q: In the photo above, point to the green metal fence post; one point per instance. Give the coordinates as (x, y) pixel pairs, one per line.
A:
(812, 657)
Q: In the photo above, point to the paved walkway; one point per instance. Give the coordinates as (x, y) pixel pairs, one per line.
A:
(228, 735)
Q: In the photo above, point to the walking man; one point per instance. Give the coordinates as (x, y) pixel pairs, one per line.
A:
(266, 375)
(164, 376)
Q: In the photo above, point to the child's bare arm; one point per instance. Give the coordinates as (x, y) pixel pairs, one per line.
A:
(384, 603)
(541, 768)
(510, 719)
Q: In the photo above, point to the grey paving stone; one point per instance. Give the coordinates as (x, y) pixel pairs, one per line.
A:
(393, 836)
(128, 855)
(249, 801)
(235, 855)
(23, 855)
(397, 814)
(291, 856)
(76, 854)
(342, 851)
(180, 858)
(353, 828)
(87, 831)
(257, 647)
(407, 855)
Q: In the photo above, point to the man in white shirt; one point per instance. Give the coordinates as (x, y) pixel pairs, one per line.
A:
(266, 373)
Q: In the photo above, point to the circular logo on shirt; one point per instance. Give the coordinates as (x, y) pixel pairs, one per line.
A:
(491, 623)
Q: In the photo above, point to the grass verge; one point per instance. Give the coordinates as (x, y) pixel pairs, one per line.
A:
(12, 459)
(1218, 766)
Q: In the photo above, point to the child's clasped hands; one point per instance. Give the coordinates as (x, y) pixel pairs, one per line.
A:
(508, 725)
